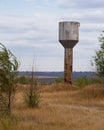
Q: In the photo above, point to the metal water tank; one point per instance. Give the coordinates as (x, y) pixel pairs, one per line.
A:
(68, 33)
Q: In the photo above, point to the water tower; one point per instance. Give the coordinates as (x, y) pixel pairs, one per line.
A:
(68, 37)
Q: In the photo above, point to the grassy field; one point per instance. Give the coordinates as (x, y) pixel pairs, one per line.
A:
(61, 108)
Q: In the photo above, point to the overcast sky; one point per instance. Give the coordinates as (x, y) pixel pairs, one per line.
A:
(29, 28)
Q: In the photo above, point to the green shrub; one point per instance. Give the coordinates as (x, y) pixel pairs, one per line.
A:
(96, 80)
(32, 98)
(59, 80)
(26, 80)
(81, 82)
(22, 80)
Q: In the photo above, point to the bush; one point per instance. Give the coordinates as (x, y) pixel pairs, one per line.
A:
(96, 80)
(32, 98)
(25, 80)
(59, 80)
(81, 82)
(22, 80)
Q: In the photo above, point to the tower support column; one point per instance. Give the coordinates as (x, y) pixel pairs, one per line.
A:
(68, 63)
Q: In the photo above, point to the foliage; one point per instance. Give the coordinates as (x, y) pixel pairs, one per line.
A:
(32, 96)
(59, 80)
(99, 57)
(81, 82)
(84, 81)
(25, 80)
(8, 72)
(95, 80)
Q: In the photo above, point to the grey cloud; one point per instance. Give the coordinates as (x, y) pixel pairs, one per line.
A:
(81, 4)
(69, 4)
(85, 16)
(27, 37)
(24, 31)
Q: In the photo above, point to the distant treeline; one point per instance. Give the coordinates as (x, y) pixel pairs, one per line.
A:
(58, 74)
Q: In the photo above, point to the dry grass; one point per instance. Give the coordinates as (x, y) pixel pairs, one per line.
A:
(67, 109)
(93, 91)
(56, 87)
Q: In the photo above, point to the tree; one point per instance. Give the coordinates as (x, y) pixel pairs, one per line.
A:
(99, 57)
(8, 72)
